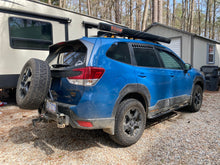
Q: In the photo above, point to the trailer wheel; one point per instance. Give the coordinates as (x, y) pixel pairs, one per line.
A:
(33, 84)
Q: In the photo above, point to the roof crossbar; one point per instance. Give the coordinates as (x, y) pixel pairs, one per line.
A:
(124, 32)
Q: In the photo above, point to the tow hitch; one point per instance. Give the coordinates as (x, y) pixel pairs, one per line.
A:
(61, 119)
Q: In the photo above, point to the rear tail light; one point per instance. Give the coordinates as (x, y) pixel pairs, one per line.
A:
(89, 76)
(84, 123)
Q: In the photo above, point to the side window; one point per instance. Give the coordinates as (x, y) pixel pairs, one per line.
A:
(169, 60)
(146, 57)
(30, 34)
(211, 54)
(119, 51)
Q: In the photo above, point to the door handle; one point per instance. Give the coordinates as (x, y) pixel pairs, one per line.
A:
(142, 75)
(171, 74)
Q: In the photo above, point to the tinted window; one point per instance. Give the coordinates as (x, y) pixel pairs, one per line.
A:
(146, 57)
(74, 54)
(169, 61)
(30, 34)
(119, 51)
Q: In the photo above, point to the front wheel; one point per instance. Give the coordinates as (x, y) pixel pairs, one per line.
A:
(197, 97)
(130, 121)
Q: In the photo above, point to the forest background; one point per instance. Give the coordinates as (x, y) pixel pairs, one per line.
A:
(196, 16)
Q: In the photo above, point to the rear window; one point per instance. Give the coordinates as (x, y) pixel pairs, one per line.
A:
(73, 54)
(30, 34)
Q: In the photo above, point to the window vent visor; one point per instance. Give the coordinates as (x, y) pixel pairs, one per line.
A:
(88, 76)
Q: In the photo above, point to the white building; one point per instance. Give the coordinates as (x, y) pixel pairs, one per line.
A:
(192, 48)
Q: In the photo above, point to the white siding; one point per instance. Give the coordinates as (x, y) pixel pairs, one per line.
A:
(200, 53)
(174, 45)
(186, 39)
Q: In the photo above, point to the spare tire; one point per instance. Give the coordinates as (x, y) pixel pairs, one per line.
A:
(33, 84)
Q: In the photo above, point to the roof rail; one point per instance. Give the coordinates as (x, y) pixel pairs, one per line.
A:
(124, 32)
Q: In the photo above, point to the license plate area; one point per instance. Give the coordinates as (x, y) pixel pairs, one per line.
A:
(51, 107)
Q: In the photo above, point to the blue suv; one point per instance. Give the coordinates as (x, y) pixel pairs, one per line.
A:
(114, 84)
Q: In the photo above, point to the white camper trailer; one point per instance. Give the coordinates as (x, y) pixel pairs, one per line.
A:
(27, 28)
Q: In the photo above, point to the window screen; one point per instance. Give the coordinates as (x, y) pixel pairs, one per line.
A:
(119, 51)
(169, 60)
(30, 34)
(146, 57)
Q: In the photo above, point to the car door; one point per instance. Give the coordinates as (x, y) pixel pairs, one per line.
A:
(180, 80)
(149, 73)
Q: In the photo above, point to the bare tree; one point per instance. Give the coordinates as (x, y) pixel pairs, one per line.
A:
(199, 16)
(131, 15)
(145, 15)
(80, 7)
(174, 9)
(206, 17)
(183, 16)
(210, 17)
(138, 14)
(155, 10)
(168, 10)
(117, 14)
(49, 2)
(191, 16)
(160, 11)
(213, 19)
(88, 7)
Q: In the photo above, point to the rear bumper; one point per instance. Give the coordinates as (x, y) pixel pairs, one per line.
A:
(107, 124)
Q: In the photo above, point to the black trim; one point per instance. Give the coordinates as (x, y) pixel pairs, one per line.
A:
(35, 15)
(129, 89)
(9, 81)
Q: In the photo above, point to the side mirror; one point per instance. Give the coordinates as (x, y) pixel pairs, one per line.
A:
(187, 67)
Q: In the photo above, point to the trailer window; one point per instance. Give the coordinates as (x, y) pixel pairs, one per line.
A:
(30, 34)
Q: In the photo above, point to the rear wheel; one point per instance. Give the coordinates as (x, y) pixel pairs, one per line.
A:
(33, 84)
(197, 97)
(130, 122)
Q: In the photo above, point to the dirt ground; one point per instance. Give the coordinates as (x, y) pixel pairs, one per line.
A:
(177, 138)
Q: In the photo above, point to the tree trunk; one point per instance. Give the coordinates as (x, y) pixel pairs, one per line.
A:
(155, 10)
(144, 20)
(168, 10)
(210, 17)
(131, 15)
(206, 17)
(117, 14)
(183, 17)
(138, 14)
(49, 2)
(60, 3)
(80, 6)
(199, 15)
(213, 20)
(174, 8)
(191, 16)
(160, 11)
(88, 7)
(187, 14)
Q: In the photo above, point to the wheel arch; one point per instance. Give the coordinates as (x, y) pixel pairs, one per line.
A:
(135, 91)
(198, 81)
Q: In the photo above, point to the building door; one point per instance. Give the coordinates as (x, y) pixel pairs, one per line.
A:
(175, 45)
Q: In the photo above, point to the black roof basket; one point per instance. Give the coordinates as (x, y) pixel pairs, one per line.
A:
(124, 32)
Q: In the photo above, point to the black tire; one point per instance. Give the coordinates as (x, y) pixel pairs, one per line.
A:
(33, 84)
(130, 121)
(197, 98)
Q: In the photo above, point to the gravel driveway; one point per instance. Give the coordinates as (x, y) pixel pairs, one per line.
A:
(177, 138)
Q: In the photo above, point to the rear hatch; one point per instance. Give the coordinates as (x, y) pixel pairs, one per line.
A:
(69, 70)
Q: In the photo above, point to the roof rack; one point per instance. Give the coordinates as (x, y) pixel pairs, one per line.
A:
(124, 32)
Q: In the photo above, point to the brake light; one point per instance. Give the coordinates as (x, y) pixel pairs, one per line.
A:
(89, 76)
